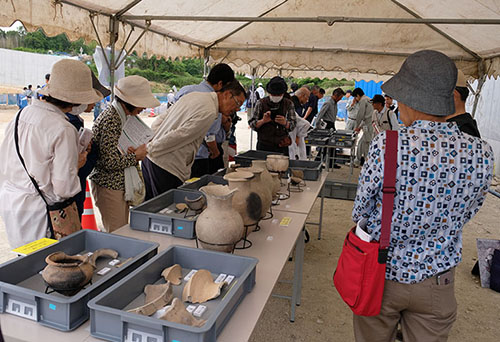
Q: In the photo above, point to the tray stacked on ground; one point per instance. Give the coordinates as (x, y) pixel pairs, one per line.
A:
(111, 321)
(23, 290)
(245, 158)
(159, 214)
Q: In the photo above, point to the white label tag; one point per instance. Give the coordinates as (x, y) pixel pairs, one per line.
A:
(114, 262)
(199, 310)
(104, 271)
(89, 253)
(189, 275)
(229, 279)
(191, 308)
(269, 238)
(220, 278)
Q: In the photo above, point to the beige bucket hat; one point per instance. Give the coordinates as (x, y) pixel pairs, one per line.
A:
(71, 81)
(136, 91)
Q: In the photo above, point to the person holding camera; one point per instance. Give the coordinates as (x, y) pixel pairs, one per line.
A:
(274, 117)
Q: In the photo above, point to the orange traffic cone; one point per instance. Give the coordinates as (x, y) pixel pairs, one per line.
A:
(88, 218)
(152, 113)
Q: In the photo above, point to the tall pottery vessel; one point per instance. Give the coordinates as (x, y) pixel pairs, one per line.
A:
(219, 227)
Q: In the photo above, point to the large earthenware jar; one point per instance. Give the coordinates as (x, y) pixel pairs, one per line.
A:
(219, 227)
(260, 187)
(267, 179)
(276, 184)
(246, 201)
(277, 163)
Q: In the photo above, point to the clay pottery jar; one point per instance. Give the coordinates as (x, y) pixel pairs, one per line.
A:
(68, 274)
(246, 201)
(267, 179)
(219, 227)
(277, 163)
(264, 191)
(276, 184)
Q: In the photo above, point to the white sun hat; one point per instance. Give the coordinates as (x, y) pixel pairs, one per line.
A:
(71, 81)
(136, 91)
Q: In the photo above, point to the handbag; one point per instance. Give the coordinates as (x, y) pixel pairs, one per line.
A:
(360, 274)
(62, 216)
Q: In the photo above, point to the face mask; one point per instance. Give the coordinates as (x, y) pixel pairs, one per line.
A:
(275, 99)
(78, 109)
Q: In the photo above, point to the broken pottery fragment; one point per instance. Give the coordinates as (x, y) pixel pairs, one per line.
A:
(181, 207)
(201, 288)
(68, 274)
(177, 313)
(173, 274)
(298, 174)
(157, 296)
(196, 204)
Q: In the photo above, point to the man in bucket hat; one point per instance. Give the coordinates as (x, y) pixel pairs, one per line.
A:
(273, 118)
(48, 144)
(442, 179)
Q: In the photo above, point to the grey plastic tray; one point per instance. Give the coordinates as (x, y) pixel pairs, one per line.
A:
(147, 216)
(23, 289)
(340, 190)
(204, 180)
(311, 169)
(111, 321)
(245, 158)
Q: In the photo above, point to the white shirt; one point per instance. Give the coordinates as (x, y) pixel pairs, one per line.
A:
(300, 131)
(384, 120)
(261, 91)
(49, 146)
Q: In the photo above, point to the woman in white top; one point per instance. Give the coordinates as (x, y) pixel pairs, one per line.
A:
(48, 144)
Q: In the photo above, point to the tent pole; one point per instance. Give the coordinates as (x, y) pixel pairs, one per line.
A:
(480, 83)
(113, 35)
(206, 56)
(133, 45)
(253, 105)
(92, 15)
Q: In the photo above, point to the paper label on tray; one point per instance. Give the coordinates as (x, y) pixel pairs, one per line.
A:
(190, 308)
(199, 310)
(220, 278)
(189, 275)
(34, 246)
(229, 279)
(285, 221)
(114, 262)
(104, 271)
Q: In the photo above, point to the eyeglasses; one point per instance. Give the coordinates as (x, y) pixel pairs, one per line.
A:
(238, 104)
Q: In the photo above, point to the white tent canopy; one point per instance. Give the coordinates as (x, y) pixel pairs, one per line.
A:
(362, 39)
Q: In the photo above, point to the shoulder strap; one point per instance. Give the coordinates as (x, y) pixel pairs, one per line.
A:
(389, 191)
(16, 139)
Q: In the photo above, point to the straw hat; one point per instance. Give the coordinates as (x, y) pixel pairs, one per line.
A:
(71, 81)
(136, 91)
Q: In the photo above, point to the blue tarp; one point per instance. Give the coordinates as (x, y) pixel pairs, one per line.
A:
(370, 88)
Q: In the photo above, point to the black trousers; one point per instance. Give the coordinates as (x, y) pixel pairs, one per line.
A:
(157, 180)
(270, 148)
(200, 167)
(217, 163)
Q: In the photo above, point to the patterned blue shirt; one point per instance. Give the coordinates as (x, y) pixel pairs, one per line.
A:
(442, 179)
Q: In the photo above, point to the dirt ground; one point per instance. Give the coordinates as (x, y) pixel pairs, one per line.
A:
(322, 316)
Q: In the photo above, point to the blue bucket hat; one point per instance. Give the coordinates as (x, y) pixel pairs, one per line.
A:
(425, 82)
